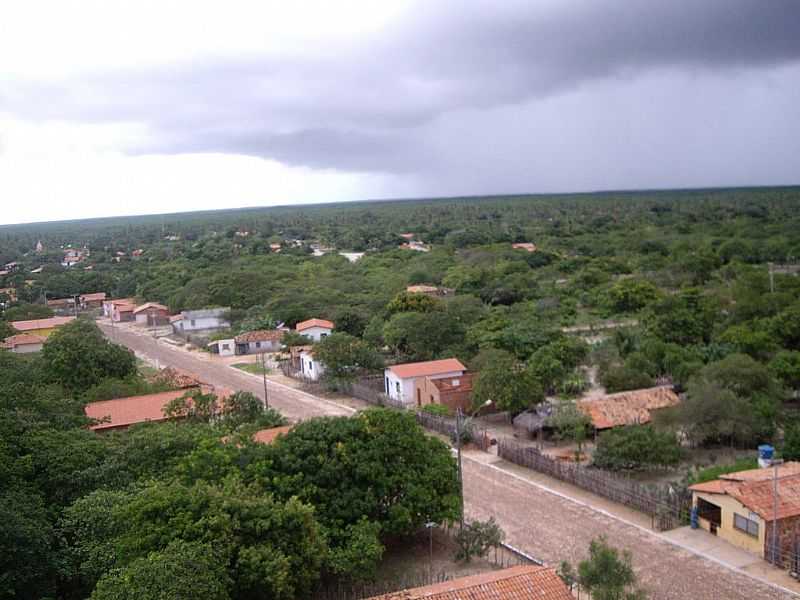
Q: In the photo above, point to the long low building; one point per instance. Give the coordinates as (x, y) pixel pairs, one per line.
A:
(23, 343)
(41, 327)
(634, 407)
(121, 413)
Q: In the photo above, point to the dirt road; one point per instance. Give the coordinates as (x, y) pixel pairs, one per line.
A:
(542, 523)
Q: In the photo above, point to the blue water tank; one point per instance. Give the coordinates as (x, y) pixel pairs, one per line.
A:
(765, 452)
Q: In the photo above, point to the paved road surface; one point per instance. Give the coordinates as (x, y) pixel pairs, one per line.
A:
(293, 404)
(544, 524)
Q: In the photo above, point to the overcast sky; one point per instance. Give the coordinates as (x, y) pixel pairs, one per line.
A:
(112, 107)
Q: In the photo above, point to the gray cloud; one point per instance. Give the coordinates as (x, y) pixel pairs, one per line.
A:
(381, 103)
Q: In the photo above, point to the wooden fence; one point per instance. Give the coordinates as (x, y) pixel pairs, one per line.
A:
(667, 506)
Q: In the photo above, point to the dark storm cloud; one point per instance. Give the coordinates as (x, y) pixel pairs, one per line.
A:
(365, 105)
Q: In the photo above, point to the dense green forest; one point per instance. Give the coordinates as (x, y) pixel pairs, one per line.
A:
(192, 508)
(688, 272)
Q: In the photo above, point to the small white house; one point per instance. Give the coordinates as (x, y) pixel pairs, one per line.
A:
(399, 380)
(205, 320)
(316, 329)
(259, 341)
(223, 347)
(310, 367)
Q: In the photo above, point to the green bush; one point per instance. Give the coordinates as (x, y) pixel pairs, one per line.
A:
(636, 447)
(440, 410)
(711, 473)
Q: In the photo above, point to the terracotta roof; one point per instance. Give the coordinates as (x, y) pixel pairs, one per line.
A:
(446, 384)
(35, 324)
(93, 297)
(129, 411)
(267, 436)
(21, 339)
(175, 318)
(754, 490)
(428, 368)
(407, 236)
(515, 583)
(524, 246)
(303, 325)
(627, 408)
(175, 378)
(150, 305)
(260, 335)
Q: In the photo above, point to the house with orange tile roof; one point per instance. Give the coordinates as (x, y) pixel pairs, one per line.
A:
(316, 329)
(634, 407)
(400, 380)
(527, 582)
(93, 300)
(41, 327)
(23, 343)
(151, 314)
(740, 507)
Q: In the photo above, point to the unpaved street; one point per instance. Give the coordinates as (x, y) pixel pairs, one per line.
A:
(539, 522)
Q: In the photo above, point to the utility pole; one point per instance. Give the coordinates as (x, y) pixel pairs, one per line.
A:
(264, 376)
(460, 474)
(771, 279)
(774, 542)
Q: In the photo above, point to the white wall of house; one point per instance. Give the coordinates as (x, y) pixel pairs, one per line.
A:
(27, 348)
(204, 323)
(316, 333)
(226, 347)
(310, 368)
(402, 389)
(258, 347)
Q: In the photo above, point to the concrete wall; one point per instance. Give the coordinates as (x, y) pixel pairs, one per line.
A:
(27, 348)
(255, 348)
(726, 530)
(310, 368)
(203, 324)
(315, 333)
(399, 389)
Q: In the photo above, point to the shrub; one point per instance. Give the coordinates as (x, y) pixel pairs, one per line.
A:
(636, 447)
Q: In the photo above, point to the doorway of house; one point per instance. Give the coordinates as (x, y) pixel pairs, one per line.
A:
(711, 513)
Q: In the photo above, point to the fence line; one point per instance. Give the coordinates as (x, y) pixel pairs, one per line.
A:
(667, 506)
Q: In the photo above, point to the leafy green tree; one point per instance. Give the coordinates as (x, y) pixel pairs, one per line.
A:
(791, 441)
(182, 571)
(621, 378)
(786, 367)
(507, 384)
(409, 302)
(607, 574)
(78, 356)
(758, 343)
(475, 539)
(25, 312)
(630, 295)
(786, 326)
(683, 318)
(419, 336)
(379, 466)
(28, 565)
(570, 423)
(292, 338)
(345, 356)
(636, 447)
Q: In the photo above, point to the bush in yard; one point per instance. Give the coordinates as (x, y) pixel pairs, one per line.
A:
(608, 576)
(636, 447)
(477, 538)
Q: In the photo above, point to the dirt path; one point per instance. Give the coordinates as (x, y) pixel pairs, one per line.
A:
(548, 525)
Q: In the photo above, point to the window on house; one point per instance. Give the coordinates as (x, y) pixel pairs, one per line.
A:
(397, 387)
(226, 346)
(258, 344)
(194, 323)
(745, 525)
(386, 384)
(323, 335)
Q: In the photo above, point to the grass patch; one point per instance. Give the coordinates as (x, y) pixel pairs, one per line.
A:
(253, 368)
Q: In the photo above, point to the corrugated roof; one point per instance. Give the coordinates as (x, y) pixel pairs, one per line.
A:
(303, 325)
(260, 335)
(515, 583)
(427, 368)
(35, 324)
(627, 408)
(93, 297)
(267, 436)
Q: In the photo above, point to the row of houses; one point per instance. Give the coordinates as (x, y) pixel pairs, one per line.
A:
(32, 334)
